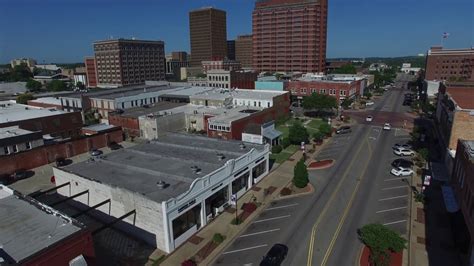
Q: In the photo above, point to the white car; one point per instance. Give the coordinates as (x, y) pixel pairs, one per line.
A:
(399, 145)
(369, 118)
(400, 171)
(403, 152)
(386, 126)
(369, 103)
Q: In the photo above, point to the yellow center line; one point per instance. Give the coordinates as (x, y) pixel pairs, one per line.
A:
(346, 211)
(331, 199)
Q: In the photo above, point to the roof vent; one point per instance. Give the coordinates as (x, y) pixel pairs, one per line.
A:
(196, 169)
(161, 184)
(242, 146)
(220, 156)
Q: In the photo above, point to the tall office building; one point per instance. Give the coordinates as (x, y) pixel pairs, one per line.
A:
(208, 35)
(289, 35)
(231, 49)
(179, 56)
(124, 62)
(243, 50)
(450, 64)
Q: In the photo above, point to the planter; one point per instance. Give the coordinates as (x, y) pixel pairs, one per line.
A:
(315, 165)
(396, 259)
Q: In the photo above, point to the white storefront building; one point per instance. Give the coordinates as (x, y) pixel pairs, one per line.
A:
(175, 185)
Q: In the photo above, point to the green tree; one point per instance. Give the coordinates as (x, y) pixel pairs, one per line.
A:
(24, 98)
(56, 85)
(297, 133)
(424, 153)
(20, 73)
(80, 85)
(345, 69)
(325, 129)
(33, 85)
(346, 103)
(381, 240)
(300, 177)
(319, 102)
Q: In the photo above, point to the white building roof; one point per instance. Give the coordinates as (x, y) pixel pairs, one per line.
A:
(8, 132)
(48, 100)
(11, 112)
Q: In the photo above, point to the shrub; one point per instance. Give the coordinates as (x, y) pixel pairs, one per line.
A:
(420, 197)
(24, 98)
(236, 221)
(285, 191)
(325, 129)
(318, 136)
(249, 207)
(188, 262)
(300, 178)
(285, 143)
(218, 238)
(298, 133)
(277, 149)
(424, 153)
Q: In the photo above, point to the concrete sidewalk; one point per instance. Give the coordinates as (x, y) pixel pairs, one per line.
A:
(278, 177)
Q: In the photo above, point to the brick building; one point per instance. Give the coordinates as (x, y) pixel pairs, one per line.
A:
(450, 64)
(36, 234)
(14, 139)
(340, 88)
(231, 79)
(124, 62)
(224, 64)
(91, 72)
(51, 121)
(208, 35)
(289, 35)
(46, 102)
(231, 49)
(243, 50)
(463, 183)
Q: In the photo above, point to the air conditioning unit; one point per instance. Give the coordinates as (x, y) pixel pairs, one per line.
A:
(218, 210)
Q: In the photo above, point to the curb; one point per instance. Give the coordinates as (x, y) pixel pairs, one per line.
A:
(322, 167)
(359, 256)
(279, 197)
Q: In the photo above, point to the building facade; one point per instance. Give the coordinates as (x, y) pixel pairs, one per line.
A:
(30, 63)
(14, 139)
(289, 36)
(174, 63)
(450, 64)
(231, 49)
(123, 62)
(224, 64)
(243, 51)
(91, 72)
(208, 35)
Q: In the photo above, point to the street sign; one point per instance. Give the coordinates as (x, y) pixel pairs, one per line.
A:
(427, 180)
(233, 199)
(302, 145)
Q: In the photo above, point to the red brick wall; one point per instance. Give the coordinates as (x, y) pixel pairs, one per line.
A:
(243, 80)
(129, 125)
(49, 153)
(91, 72)
(65, 251)
(445, 66)
(303, 88)
(65, 125)
(44, 105)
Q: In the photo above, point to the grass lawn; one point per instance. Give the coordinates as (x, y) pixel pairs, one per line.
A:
(284, 154)
(315, 123)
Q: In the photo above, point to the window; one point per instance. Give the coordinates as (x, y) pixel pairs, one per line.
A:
(28, 145)
(15, 148)
(343, 93)
(258, 170)
(186, 221)
(240, 183)
(322, 91)
(268, 104)
(5, 150)
(123, 105)
(303, 90)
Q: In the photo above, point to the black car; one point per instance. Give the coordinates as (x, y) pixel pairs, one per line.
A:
(275, 255)
(95, 152)
(115, 146)
(402, 163)
(61, 162)
(343, 130)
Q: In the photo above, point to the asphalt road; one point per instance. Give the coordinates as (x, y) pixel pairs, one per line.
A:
(321, 228)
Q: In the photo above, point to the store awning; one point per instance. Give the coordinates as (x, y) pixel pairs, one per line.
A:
(449, 199)
(271, 133)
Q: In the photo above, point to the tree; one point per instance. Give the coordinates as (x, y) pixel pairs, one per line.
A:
(345, 69)
(424, 153)
(298, 133)
(56, 85)
(346, 103)
(381, 240)
(80, 85)
(300, 178)
(325, 129)
(24, 98)
(319, 102)
(33, 85)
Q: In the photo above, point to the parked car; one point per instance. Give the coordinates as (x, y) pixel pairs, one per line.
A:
(95, 152)
(115, 146)
(343, 130)
(400, 145)
(402, 163)
(387, 126)
(369, 103)
(403, 152)
(19, 174)
(61, 162)
(369, 118)
(400, 171)
(275, 255)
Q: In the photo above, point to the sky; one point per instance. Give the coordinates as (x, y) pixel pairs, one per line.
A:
(62, 31)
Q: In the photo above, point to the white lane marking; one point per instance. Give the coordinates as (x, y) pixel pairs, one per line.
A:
(389, 188)
(280, 207)
(397, 197)
(396, 178)
(262, 232)
(244, 249)
(393, 209)
(274, 218)
(396, 222)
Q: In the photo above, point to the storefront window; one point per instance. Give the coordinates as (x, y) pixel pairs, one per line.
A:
(186, 221)
(217, 200)
(258, 170)
(240, 183)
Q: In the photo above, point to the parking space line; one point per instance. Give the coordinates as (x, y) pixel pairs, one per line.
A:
(280, 207)
(389, 188)
(396, 222)
(396, 178)
(270, 219)
(397, 197)
(244, 249)
(393, 209)
(262, 232)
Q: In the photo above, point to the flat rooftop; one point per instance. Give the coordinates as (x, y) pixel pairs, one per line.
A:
(222, 94)
(170, 159)
(463, 96)
(141, 111)
(28, 226)
(12, 112)
(8, 132)
(194, 109)
(48, 100)
(233, 114)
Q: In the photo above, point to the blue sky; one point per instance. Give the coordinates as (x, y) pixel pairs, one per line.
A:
(63, 30)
